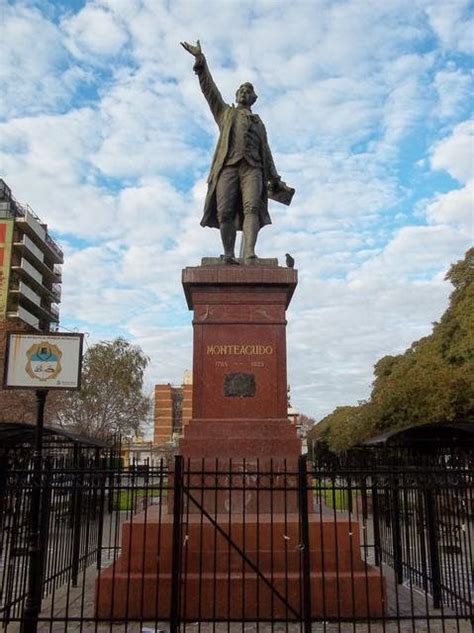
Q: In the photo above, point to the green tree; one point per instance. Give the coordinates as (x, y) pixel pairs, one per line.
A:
(455, 331)
(342, 428)
(433, 381)
(111, 399)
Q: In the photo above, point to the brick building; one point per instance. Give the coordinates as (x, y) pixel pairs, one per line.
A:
(173, 410)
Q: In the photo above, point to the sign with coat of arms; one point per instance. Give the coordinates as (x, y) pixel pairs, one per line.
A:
(43, 361)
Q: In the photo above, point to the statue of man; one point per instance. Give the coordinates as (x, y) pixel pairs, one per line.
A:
(242, 170)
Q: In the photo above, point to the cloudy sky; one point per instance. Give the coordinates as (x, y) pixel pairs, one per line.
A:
(368, 109)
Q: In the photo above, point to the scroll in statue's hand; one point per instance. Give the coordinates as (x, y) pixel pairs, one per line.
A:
(274, 184)
(279, 191)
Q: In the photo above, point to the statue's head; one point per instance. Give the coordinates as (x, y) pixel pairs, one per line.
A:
(245, 95)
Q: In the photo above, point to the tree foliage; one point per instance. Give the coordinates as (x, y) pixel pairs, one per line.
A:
(433, 381)
(111, 399)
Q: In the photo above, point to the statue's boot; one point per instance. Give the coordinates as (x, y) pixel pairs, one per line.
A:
(228, 236)
(250, 229)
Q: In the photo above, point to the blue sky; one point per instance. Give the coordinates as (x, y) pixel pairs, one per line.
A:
(368, 109)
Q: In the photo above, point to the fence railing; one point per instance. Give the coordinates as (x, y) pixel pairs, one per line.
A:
(362, 545)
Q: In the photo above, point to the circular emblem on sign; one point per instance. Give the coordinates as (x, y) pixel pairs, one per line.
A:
(43, 361)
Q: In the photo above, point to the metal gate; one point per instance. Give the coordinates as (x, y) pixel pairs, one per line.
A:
(241, 542)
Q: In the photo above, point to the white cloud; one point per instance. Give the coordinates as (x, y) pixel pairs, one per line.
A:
(455, 207)
(170, 348)
(454, 88)
(32, 63)
(453, 23)
(455, 154)
(94, 31)
(52, 172)
(144, 130)
(92, 288)
(414, 253)
(122, 9)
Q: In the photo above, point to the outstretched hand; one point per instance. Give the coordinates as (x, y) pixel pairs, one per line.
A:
(194, 50)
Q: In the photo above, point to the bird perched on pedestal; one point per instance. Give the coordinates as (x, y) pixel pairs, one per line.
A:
(290, 262)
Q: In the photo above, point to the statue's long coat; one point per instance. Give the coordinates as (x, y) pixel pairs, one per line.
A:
(224, 115)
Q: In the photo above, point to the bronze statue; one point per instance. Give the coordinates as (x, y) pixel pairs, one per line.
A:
(243, 174)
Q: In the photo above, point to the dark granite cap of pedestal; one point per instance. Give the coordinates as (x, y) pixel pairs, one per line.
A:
(234, 276)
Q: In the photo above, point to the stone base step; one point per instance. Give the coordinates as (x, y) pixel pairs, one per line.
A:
(139, 582)
(234, 596)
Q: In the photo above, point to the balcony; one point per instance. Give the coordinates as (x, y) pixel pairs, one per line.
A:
(52, 291)
(24, 315)
(52, 274)
(54, 310)
(44, 311)
(32, 226)
(55, 248)
(58, 273)
(29, 221)
(26, 245)
(56, 292)
(22, 290)
(25, 268)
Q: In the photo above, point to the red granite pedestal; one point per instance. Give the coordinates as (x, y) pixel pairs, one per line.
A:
(239, 364)
(239, 425)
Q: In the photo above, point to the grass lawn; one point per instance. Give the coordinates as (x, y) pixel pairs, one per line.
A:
(129, 498)
(337, 498)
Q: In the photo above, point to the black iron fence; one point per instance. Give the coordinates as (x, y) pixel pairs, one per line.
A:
(360, 543)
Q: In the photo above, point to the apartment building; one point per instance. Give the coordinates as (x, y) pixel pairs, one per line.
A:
(30, 267)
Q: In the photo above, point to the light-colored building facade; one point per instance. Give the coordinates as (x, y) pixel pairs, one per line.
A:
(30, 267)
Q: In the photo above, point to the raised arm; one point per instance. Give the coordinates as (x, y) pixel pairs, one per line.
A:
(208, 87)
